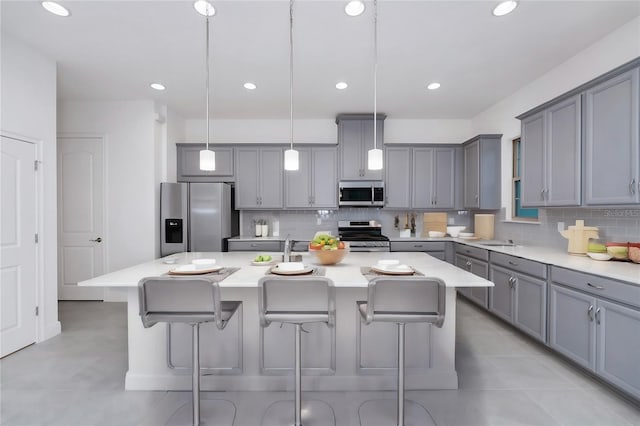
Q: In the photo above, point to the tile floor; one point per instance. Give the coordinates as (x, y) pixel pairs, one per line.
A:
(77, 379)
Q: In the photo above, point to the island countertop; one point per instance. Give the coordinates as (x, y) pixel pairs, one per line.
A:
(345, 274)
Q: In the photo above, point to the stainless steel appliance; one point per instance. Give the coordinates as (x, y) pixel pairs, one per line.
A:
(361, 194)
(196, 217)
(363, 235)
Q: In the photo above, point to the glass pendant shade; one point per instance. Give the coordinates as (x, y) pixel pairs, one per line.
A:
(374, 159)
(291, 161)
(207, 160)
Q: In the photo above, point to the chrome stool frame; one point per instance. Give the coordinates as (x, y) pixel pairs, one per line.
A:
(192, 301)
(404, 300)
(298, 301)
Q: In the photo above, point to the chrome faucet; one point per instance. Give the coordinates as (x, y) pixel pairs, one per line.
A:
(288, 246)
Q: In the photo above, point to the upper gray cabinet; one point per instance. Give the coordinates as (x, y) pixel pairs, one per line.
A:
(551, 141)
(188, 163)
(259, 178)
(355, 139)
(420, 178)
(315, 184)
(482, 172)
(611, 141)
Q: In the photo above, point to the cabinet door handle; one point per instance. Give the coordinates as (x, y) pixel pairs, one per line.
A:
(468, 265)
(477, 198)
(513, 263)
(435, 201)
(598, 316)
(632, 186)
(590, 313)
(597, 287)
(542, 194)
(418, 245)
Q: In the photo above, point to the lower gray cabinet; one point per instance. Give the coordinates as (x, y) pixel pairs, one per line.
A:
(519, 299)
(479, 268)
(598, 334)
(247, 245)
(432, 248)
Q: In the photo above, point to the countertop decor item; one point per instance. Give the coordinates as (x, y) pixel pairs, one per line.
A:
(578, 236)
(434, 222)
(484, 225)
(599, 256)
(634, 252)
(454, 231)
(618, 251)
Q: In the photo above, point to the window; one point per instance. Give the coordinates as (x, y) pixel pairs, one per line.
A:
(519, 213)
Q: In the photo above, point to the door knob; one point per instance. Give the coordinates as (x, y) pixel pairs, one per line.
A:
(97, 240)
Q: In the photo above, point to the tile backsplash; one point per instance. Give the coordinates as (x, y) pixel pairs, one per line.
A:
(615, 224)
(303, 224)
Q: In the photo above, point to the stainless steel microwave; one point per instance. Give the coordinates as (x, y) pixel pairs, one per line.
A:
(362, 193)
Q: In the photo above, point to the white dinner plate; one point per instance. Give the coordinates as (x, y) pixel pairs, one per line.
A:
(190, 269)
(393, 270)
(306, 270)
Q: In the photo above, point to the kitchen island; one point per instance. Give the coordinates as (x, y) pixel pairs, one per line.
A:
(245, 356)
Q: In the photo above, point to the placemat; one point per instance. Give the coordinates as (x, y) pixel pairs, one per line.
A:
(370, 274)
(318, 271)
(217, 276)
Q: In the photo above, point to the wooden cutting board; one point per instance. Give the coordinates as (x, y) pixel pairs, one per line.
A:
(434, 222)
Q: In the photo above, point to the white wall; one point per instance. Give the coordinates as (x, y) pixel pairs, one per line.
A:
(131, 175)
(28, 107)
(617, 48)
(324, 131)
(175, 133)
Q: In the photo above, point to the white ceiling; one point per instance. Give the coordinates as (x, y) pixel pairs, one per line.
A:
(112, 50)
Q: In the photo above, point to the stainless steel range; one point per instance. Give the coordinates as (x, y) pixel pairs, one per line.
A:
(363, 235)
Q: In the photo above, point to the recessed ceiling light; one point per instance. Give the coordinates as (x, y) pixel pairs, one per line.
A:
(354, 8)
(203, 7)
(505, 8)
(250, 86)
(433, 86)
(341, 85)
(55, 8)
(157, 86)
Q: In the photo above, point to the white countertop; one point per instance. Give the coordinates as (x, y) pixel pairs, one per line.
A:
(345, 274)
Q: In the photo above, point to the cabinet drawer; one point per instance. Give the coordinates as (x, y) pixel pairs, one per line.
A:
(474, 252)
(518, 264)
(254, 245)
(417, 245)
(598, 286)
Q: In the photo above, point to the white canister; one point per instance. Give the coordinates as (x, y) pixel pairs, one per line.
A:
(265, 230)
(258, 230)
(276, 228)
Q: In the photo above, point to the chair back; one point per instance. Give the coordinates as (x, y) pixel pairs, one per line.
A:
(296, 299)
(179, 299)
(406, 299)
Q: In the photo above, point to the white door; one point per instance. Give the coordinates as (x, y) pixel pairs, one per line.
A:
(18, 246)
(80, 216)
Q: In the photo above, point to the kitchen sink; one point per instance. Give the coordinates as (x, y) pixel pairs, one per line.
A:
(507, 243)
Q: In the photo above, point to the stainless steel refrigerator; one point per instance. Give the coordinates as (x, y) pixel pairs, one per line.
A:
(196, 217)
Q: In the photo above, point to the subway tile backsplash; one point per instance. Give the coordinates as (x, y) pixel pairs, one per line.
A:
(615, 224)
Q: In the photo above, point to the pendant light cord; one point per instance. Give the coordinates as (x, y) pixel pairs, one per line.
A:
(291, 72)
(375, 74)
(207, 58)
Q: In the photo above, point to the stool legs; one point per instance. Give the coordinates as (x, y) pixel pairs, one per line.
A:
(195, 383)
(298, 377)
(400, 418)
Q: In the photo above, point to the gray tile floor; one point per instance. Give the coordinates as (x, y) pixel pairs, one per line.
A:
(77, 379)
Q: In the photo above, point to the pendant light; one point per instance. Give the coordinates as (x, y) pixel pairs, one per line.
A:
(208, 157)
(374, 156)
(291, 160)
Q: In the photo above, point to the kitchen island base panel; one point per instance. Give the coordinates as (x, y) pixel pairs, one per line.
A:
(352, 363)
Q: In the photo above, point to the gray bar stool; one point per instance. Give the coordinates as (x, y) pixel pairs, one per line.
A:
(190, 301)
(401, 300)
(298, 301)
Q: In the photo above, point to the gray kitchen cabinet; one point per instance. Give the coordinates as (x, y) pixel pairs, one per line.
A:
(572, 326)
(188, 163)
(474, 260)
(399, 180)
(259, 178)
(612, 141)
(314, 185)
(482, 182)
(355, 139)
(551, 153)
(519, 295)
(255, 245)
(432, 248)
(420, 178)
(591, 328)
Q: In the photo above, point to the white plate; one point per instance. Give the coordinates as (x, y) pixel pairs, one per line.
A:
(393, 270)
(191, 269)
(305, 270)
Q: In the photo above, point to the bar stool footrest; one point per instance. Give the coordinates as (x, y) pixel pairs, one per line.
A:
(314, 413)
(382, 412)
(213, 412)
